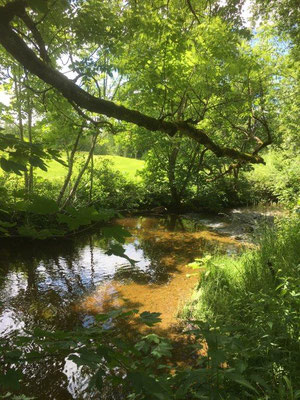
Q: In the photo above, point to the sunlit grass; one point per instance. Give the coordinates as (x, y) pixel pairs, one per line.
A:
(254, 299)
(127, 166)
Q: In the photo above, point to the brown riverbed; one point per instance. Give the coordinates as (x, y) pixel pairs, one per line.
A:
(175, 250)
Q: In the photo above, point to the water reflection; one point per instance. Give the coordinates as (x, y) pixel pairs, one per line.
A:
(40, 282)
(61, 284)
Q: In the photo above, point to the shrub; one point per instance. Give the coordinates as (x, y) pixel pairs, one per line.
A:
(278, 180)
(110, 189)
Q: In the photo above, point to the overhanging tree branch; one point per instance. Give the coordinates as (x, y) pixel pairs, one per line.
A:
(26, 57)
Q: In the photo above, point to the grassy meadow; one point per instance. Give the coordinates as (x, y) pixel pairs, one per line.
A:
(127, 166)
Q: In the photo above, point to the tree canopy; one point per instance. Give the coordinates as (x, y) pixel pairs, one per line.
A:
(172, 62)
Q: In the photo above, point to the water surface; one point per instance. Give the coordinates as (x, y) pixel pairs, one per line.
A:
(61, 284)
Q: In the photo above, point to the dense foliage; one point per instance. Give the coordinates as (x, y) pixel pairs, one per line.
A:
(253, 301)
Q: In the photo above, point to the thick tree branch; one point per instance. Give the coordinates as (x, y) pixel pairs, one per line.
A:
(26, 57)
(36, 34)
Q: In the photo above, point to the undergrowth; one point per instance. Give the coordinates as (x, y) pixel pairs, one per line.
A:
(254, 299)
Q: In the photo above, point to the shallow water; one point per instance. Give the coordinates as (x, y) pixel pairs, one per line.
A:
(63, 283)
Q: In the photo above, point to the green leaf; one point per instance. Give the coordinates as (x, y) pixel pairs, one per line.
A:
(77, 218)
(153, 338)
(13, 355)
(97, 379)
(11, 379)
(42, 205)
(44, 234)
(28, 231)
(66, 219)
(86, 357)
(241, 380)
(56, 156)
(117, 250)
(150, 318)
(11, 166)
(143, 383)
(240, 366)
(39, 5)
(106, 214)
(297, 394)
(143, 346)
(37, 162)
(194, 265)
(21, 205)
(120, 313)
(289, 385)
(163, 349)
(116, 232)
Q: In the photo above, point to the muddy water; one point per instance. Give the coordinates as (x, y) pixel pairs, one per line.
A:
(63, 284)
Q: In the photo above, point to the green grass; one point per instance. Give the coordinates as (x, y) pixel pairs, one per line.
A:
(127, 166)
(254, 299)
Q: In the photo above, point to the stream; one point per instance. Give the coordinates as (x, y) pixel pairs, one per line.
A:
(62, 284)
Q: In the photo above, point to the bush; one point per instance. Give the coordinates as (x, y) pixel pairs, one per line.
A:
(278, 180)
(110, 189)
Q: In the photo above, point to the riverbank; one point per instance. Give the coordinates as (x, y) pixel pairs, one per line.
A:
(251, 303)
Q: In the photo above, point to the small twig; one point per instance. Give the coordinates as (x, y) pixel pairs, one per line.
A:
(193, 11)
(231, 168)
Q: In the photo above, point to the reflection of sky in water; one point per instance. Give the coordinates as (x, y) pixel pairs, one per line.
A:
(77, 381)
(68, 278)
(212, 224)
(10, 322)
(59, 278)
(48, 285)
(92, 267)
(14, 284)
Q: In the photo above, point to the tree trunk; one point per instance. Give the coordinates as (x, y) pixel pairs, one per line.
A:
(171, 175)
(82, 171)
(29, 114)
(91, 179)
(70, 168)
(18, 48)
(17, 90)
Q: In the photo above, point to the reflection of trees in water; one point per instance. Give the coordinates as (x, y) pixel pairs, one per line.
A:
(36, 286)
(50, 275)
(173, 240)
(26, 268)
(170, 223)
(44, 379)
(154, 273)
(161, 240)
